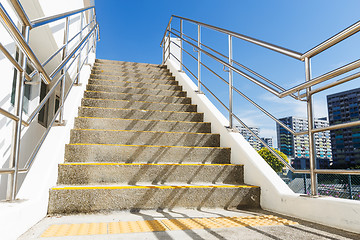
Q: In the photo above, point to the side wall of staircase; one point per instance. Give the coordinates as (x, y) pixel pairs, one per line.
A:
(275, 194)
(33, 197)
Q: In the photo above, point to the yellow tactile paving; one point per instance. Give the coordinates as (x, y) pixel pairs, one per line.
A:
(163, 225)
(76, 229)
(136, 226)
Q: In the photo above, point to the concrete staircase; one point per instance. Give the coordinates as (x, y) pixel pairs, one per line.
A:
(139, 143)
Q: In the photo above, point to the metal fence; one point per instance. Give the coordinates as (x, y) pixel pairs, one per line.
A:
(333, 185)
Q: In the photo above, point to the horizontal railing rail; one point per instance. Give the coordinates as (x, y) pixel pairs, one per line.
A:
(45, 20)
(270, 86)
(69, 57)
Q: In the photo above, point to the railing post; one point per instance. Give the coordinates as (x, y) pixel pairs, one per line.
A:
(199, 59)
(15, 146)
(230, 85)
(350, 187)
(312, 147)
(63, 72)
(79, 59)
(169, 49)
(181, 45)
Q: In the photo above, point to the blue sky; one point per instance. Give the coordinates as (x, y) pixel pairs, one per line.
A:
(132, 31)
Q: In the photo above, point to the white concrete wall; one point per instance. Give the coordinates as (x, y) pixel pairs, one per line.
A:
(275, 194)
(44, 41)
(32, 199)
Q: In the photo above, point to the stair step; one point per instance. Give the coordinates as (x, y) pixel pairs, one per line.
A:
(109, 103)
(137, 69)
(81, 199)
(137, 80)
(85, 152)
(131, 137)
(125, 63)
(130, 76)
(141, 124)
(149, 91)
(131, 72)
(140, 114)
(136, 97)
(145, 173)
(135, 84)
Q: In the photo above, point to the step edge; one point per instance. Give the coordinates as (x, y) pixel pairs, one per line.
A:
(141, 110)
(138, 94)
(147, 146)
(135, 131)
(97, 85)
(132, 119)
(107, 187)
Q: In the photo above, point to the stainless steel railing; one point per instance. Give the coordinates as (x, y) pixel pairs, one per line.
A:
(302, 92)
(88, 35)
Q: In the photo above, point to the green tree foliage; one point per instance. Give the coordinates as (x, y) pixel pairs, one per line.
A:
(275, 163)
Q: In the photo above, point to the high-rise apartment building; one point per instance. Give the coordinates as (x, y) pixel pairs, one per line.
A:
(268, 141)
(254, 142)
(297, 147)
(345, 107)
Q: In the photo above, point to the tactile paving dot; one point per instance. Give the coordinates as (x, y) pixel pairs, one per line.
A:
(162, 225)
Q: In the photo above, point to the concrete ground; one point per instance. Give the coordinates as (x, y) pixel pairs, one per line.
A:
(299, 230)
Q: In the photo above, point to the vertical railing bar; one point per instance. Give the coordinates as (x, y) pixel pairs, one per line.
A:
(230, 85)
(181, 44)
(63, 82)
(199, 59)
(79, 60)
(15, 146)
(312, 155)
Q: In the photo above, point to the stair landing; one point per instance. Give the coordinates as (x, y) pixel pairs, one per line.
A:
(182, 224)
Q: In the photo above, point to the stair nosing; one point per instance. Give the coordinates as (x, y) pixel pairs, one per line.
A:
(137, 94)
(149, 164)
(134, 145)
(99, 79)
(102, 74)
(172, 186)
(131, 109)
(121, 130)
(130, 119)
(136, 88)
(107, 60)
(124, 100)
(142, 73)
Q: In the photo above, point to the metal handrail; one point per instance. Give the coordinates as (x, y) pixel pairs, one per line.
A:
(19, 10)
(18, 38)
(258, 42)
(45, 20)
(321, 47)
(280, 93)
(240, 65)
(74, 55)
(347, 32)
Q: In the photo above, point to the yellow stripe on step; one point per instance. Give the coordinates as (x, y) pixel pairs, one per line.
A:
(150, 120)
(135, 88)
(148, 164)
(135, 94)
(150, 187)
(125, 145)
(144, 110)
(117, 100)
(99, 79)
(116, 130)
